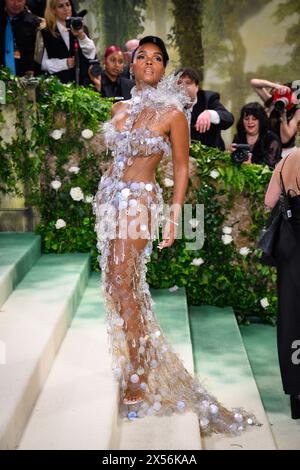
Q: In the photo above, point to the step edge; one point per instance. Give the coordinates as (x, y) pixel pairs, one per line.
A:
(12, 431)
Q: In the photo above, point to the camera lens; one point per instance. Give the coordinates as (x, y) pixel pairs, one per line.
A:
(239, 156)
(76, 23)
(281, 104)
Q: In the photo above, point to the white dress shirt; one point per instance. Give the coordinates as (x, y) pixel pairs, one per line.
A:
(57, 65)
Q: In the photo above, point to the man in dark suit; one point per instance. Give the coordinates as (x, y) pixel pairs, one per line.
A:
(18, 36)
(209, 117)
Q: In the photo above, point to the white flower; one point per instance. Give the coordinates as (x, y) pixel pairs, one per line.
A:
(55, 184)
(168, 182)
(76, 194)
(227, 230)
(60, 223)
(56, 134)
(88, 199)
(264, 302)
(193, 223)
(214, 174)
(174, 288)
(244, 251)
(74, 169)
(87, 134)
(197, 261)
(226, 239)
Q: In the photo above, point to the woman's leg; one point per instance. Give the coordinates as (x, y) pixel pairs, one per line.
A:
(124, 279)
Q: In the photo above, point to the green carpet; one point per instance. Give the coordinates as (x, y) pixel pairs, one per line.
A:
(261, 346)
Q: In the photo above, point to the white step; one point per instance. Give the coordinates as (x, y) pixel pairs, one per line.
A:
(33, 323)
(222, 365)
(78, 407)
(18, 253)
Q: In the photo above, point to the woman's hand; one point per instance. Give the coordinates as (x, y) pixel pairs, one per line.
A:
(249, 160)
(71, 62)
(232, 147)
(78, 33)
(95, 80)
(169, 236)
(282, 89)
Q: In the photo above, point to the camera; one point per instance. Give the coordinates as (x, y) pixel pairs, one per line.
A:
(74, 22)
(240, 155)
(283, 102)
(95, 68)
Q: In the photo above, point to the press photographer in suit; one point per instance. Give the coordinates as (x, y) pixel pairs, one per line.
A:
(209, 116)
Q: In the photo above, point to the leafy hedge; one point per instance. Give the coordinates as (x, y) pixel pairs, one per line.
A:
(63, 150)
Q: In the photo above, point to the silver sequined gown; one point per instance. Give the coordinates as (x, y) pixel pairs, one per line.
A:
(128, 212)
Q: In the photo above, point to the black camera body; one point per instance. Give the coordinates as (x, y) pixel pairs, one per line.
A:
(74, 22)
(95, 67)
(240, 155)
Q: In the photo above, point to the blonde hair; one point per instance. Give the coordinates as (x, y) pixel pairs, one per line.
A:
(50, 17)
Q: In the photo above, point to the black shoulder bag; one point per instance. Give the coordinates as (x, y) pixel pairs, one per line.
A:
(280, 214)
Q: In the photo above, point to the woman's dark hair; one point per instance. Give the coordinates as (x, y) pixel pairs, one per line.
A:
(267, 148)
(253, 109)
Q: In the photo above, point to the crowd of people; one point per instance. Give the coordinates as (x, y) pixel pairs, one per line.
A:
(38, 37)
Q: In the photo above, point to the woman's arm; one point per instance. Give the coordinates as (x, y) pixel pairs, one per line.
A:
(179, 137)
(273, 151)
(261, 87)
(274, 188)
(289, 129)
(86, 43)
(53, 65)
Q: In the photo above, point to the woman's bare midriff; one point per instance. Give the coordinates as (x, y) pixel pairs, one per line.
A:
(142, 169)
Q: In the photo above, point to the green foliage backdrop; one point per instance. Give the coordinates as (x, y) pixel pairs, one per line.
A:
(61, 151)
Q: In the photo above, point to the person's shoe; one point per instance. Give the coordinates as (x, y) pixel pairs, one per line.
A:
(295, 406)
(128, 401)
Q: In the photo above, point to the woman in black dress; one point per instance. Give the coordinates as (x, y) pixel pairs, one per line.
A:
(252, 129)
(286, 177)
(110, 82)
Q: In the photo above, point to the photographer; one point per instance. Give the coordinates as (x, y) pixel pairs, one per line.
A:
(264, 147)
(109, 82)
(281, 106)
(63, 42)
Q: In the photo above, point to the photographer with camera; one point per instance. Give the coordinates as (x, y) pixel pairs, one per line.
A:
(109, 81)
(67, 47)
(281, 106)
(254, 143)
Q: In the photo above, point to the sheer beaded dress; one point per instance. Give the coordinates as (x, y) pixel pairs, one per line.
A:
(129, 211)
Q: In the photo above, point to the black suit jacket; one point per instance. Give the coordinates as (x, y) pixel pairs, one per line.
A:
(121, 88)
(24, 30)
(212, 138)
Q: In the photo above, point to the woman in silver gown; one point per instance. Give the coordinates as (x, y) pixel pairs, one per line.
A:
(128, 208)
